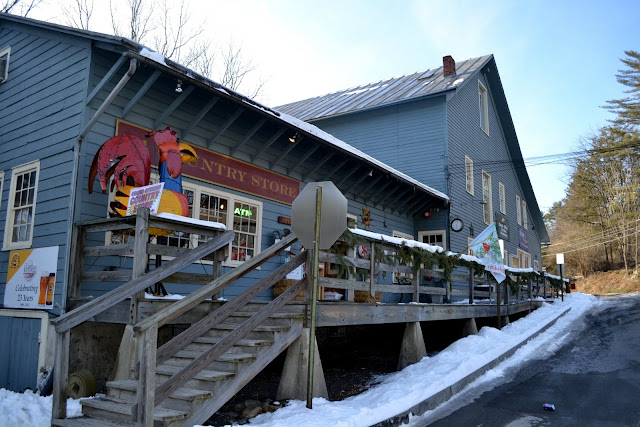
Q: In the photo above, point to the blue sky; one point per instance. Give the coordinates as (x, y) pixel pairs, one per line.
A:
(557, 59)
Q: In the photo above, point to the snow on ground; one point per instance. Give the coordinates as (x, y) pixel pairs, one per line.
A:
(396, 392)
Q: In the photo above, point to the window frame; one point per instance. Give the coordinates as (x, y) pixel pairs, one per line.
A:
(442, 233)
(518, 210)
(525, 220)
(468, 170)
(20, 170)
(483, 106)
(522, 257)
(5, 51)
(503, 198)
(354, 218)
(487, 206)
(1, 187)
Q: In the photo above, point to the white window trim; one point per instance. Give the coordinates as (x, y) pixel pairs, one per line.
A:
(525, 220)
(443, 233)
(1, 187)
(354, 218)
(8, 229)
(5, 51)
(518, 210)
(505, 258)
(402, 235)
(536, 265)
(488, 203)
(522, 257)
(503, 198)
(468, 174)
(483, 94)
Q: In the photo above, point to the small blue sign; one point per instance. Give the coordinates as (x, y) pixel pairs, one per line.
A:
(523, 239)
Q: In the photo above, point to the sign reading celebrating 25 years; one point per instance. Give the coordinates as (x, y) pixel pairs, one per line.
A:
(31, 278)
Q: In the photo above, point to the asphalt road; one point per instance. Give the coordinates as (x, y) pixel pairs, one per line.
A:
(593, 380)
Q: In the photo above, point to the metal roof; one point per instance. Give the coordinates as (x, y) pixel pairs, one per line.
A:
(384, 92)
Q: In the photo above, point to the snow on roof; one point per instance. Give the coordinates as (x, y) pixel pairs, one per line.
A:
(154, 56)
(195, 221)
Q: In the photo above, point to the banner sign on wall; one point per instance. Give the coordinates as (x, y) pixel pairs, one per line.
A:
(145, 197)
(523, 240)
(31, 278)
(226, 171)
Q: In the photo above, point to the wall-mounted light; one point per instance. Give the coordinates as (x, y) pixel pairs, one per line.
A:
(294, 138)
(371, 172)
(179, 87)
(471, 231)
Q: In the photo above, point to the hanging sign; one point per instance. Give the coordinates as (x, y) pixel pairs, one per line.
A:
(145, 197)
(31, 278)
(523, 239)
(502, 226)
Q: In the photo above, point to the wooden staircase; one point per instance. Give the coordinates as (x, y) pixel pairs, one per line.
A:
(212, 387)
(185, 381)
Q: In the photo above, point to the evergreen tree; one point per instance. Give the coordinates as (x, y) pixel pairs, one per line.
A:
(628, 109)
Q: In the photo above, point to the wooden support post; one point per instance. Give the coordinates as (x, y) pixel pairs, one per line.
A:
(470, 327)
(416, 285)
(544, 287)
(218, 258)
(471, 286)
(413, 348)
(77, 261)
(293, 381)
(529, 290)
(140, 257)
(60, 376)
(146, 393)
(448, 291)
(372, 270)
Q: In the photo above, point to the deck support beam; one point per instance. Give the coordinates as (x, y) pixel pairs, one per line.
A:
(470, 327)
(293, 381)
(413, 348)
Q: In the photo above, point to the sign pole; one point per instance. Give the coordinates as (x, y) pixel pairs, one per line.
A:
(560, 262)
(314, 297)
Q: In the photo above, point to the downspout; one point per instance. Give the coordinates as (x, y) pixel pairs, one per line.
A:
(133, 66)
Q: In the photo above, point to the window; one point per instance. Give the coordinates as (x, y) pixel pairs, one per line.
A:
(352, 221)
(525, 219)
(503, 198)
(524, 259)
(18, 232)
(483, 103)
(518, 210)
(505, 258)
(434, 238)
(5, 55)
(487, 208)
(536, 265)
(468, 168)
(238, 213)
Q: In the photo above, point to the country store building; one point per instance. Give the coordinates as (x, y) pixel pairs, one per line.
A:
(64, 92)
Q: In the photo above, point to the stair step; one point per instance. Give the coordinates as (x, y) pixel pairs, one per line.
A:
(183, 399)
(119, 410)
(206, 379)
(241, 343)
(85, 421)
(262, 328)
(226, 362)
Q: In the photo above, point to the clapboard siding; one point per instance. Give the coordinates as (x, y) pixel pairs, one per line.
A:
(42, 111)
(489, 153)
(391, 132)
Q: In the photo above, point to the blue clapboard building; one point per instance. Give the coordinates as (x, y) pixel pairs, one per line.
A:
(64, 92)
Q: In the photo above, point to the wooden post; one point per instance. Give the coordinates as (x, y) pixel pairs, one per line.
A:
(471, 286)
(218, 258)
(308, 289)
(416, 285)
(499, 321)
(506, 296)
(544, 287)
(60, 376)
(372, 271)
(146, 394)
(529, 290)
(314, 296)
(140, 257)
(77, 261)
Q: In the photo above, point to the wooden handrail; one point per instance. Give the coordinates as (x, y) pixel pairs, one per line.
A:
(195, 298)
(108, 300)
(179, 379)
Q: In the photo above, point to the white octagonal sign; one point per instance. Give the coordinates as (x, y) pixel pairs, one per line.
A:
(333, 215)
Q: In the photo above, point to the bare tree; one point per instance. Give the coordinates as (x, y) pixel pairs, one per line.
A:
(132, 21)
(18, 7)
(78, 14)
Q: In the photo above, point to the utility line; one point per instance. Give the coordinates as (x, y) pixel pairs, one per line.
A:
(590, 246)
(597, 235)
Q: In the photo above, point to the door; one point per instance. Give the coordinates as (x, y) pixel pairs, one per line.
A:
(19, 349)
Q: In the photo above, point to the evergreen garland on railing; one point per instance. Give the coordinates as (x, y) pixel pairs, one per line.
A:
(409, 255)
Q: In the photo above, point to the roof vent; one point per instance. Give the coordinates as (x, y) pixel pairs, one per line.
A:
(448, 66)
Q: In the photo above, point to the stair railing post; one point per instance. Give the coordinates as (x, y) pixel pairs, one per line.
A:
(140, 257)
(146, 390)
(60, 376)
(471, 286)
(499, 311)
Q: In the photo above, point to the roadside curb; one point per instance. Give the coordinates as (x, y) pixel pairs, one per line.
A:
(448, 392)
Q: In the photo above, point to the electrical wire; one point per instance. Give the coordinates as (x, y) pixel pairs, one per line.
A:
(587, 247)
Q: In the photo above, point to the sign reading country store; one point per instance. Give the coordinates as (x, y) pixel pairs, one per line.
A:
(226, 171)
